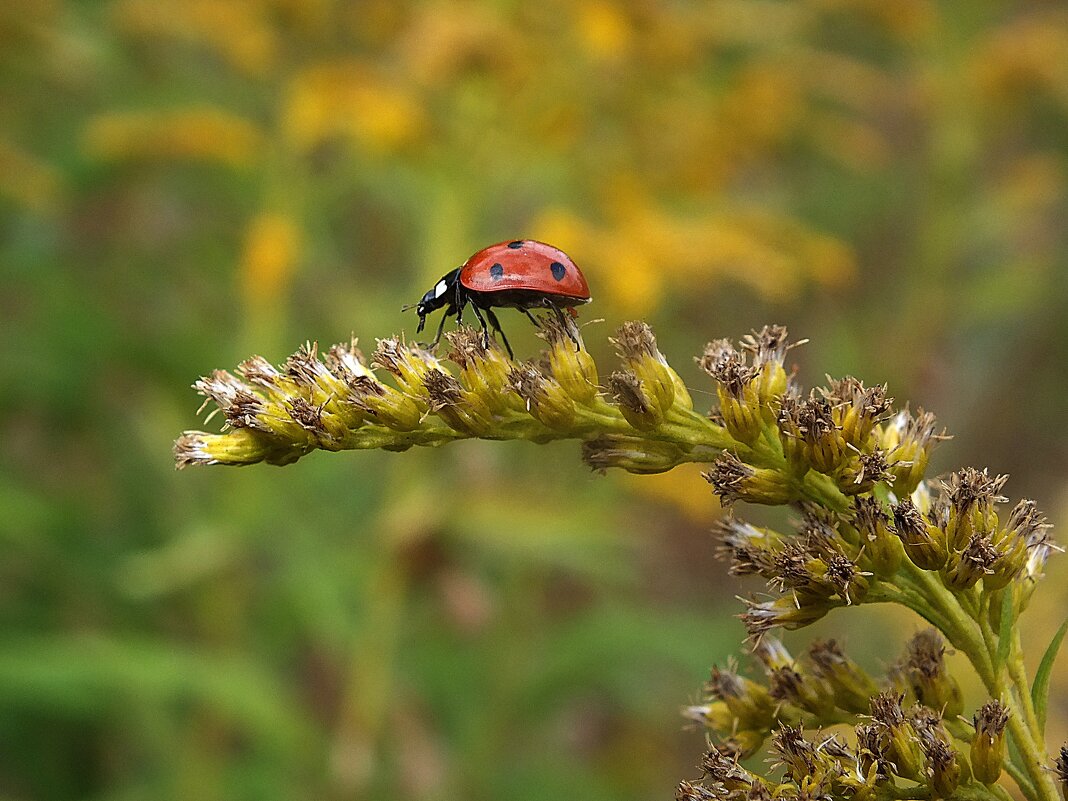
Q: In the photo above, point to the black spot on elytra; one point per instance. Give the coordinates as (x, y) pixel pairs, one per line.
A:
(516, 245)
(559, 270)
(496, 272)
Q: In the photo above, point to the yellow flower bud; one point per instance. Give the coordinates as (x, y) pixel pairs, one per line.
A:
(633, 454)
(988, 745)
(734, 480)
(639, 407)
(545, 399)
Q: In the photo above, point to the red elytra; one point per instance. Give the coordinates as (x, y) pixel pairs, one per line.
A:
(528, 265)
(521, 274)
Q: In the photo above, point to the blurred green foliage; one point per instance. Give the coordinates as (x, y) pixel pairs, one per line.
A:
(183, 183)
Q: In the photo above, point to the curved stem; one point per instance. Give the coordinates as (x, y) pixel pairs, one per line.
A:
(982, 617)
(963, 631)
(970, 792)
(1023, 781)
(1018, 676)
(1024, 728)
(904, 596)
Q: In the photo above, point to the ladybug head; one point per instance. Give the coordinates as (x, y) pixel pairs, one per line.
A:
(442, 294)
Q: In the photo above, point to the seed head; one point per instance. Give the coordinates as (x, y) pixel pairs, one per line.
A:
(728, 366)
(629, 395)
(853, 688)
(462, 410)
(715, 716)
(944, 768)
(872, 754)
(637, 348)
(239, 447)
(484, 370)
(750, 705)
(925, 668)
(721, 767)
(750, 550)
(408, 364)
(964, 569)
(790, 611)
(791, 437)
(856, 409)
(739, 398)
(905, 748)
(825, 447)
(768, 348)
(572, 367)
(633, 454)
(734, 480)
(881, 548)
(686, 791)
(924, 543)
(972, 496)
(908, 441)
(1015, 542)
(988, 745)
(545, 399)
(862, 471)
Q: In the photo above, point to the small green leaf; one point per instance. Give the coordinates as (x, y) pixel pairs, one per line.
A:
(1005, 629)
(1040, 689)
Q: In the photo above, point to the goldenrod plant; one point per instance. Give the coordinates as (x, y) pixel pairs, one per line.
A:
(872, 527)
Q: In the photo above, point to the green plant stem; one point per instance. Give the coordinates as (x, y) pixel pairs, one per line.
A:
(1024, 728)
(978, 642)
(822, 489)
(1023, 781)
(904, 596)
(982, 617)
(962, 630)
(971, 792)
(1001, 793)
(1018, 675)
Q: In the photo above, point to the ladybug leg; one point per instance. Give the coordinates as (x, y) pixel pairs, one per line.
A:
(459, 304)
(437, 336)
(497, 327)
(531, 317)
(567, 324)
(482, 320)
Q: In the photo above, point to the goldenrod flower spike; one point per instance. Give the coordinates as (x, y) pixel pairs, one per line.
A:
(871, 528)
(642, 420)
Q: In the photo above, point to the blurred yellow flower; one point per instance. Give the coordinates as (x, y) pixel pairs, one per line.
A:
(1033, 185)
(441, 40)
(902, 18)
(604, 30)
(1028, 54)
(763, 105)
(651, 249)
(201, 133)
(27, 180)
(683, 488)
(859, 85)
(851, 142)
(238, 30)
(346, 99)
(272, 247)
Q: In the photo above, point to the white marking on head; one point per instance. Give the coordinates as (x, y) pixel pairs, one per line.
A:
(440, 289)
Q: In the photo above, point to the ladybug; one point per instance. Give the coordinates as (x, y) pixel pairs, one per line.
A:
(521, 274)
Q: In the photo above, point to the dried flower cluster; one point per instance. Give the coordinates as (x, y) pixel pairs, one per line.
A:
(642, 421)
(871, 528)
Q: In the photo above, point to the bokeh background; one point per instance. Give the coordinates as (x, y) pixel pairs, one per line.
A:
(186, 182)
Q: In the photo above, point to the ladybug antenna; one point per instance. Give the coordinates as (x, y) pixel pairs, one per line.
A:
(408, 306)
